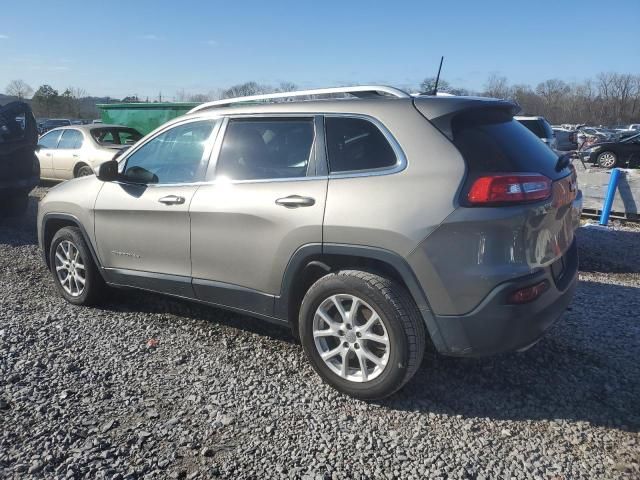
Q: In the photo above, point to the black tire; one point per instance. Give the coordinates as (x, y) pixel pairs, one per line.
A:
(16, 205)
(84, 171)
(607, 159)
(398, 313)
(94, 284)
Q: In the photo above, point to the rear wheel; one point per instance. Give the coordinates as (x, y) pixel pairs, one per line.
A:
(362, 333)
(75, 274)
(607, 159)
(84, 171)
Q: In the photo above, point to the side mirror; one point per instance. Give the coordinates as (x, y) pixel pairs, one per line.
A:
(38, 147)
(107, 171)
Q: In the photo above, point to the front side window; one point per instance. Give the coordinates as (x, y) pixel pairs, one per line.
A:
(50, 140)
(174, 156)
(255, 149)
(355, 144)
(71, 140)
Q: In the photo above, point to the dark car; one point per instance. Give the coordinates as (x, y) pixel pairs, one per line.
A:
(622, 153)
(19, 166)
(52, 123)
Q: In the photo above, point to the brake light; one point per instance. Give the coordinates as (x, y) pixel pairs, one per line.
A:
(509, 188)
(528, 294)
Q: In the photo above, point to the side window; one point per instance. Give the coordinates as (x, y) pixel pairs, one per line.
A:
(71, 140)
(356, 144)
(266, 149)
(175, 156)
(50, 139)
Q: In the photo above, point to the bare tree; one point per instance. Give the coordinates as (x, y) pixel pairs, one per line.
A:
(19, 89)
(497, 87)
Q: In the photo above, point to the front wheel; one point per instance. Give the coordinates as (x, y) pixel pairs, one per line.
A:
(362, 333)
(607, 159)
(74, 272)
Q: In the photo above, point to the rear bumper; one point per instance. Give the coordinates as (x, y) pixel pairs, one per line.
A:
(21, 185)
(496, 326)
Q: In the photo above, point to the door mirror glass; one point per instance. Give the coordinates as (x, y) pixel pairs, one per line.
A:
(137, 174)
(107, 171)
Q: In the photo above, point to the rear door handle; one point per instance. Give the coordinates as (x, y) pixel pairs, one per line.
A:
(75, 155)
(172, 200)
(295, 201)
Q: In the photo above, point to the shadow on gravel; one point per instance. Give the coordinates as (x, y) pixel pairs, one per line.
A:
(20, 230)
(124, 300)
(585, 369)
(609, 251)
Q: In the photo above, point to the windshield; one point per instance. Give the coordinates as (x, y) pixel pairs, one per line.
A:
(116, 136)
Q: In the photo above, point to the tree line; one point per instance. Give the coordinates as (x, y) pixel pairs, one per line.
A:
(607, 99)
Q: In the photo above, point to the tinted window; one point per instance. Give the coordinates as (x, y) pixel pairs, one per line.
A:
(492, 141)
(50, 140)
(175, 156)
(71, 139)
(356, 144)
(265, 149)
(116, 136)
(536, 126)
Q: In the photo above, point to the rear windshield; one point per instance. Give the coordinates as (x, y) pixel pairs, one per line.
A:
(538, 127)
(492, 141)
(115, 136)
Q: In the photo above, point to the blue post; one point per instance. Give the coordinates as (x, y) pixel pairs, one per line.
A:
(611, 192)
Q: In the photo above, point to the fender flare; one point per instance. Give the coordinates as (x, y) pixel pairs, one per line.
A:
(311, 254)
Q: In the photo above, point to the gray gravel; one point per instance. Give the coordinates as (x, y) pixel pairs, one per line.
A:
(150, 387)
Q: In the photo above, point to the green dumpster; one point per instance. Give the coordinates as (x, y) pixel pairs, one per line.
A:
(144, 117)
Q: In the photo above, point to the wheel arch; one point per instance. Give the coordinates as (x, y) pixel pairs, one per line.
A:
(52, 222)
(311, 262)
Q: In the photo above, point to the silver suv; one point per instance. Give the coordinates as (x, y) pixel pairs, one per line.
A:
(370, 224)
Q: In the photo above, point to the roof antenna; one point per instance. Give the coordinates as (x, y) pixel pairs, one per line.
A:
(435, 86)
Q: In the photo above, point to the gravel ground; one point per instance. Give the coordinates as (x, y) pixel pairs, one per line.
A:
(150, 387)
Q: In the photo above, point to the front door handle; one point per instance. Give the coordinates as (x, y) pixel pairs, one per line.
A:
(172, 200)
(295, 201)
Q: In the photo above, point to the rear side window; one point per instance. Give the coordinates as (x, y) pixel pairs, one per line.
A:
(260, 149)
(71, 140)
(492, 141)
(50, 140)
(356, 144)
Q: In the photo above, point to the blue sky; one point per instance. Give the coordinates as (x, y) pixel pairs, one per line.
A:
(120, 48)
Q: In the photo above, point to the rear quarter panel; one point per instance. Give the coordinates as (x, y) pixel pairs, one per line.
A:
(397, 211)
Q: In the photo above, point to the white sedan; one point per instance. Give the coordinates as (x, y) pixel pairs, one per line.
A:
(75, 151)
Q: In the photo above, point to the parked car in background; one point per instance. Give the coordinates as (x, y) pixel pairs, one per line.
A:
(324, 216)
(19, 167)
(540, 127)
(70, 152)
(609, 154)
(54, 123)
(566, 140)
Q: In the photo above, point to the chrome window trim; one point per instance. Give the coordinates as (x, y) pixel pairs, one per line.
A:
(401, 158)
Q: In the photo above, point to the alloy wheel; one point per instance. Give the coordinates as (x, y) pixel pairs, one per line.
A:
(607, 160)
(70, 268)
(351, 338)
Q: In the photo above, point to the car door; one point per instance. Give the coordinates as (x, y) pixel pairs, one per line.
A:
(68, 154)
(266, 201)
(142, 220)
(47, 146)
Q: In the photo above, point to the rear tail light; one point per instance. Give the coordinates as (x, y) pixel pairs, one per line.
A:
(509, 189)
(528, 294)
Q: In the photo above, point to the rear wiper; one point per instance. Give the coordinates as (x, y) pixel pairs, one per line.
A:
(563, 162)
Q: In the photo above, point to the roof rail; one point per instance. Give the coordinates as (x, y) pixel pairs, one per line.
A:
(360, 91)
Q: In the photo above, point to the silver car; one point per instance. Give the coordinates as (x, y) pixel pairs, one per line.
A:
(75, 151)
(371, 225)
